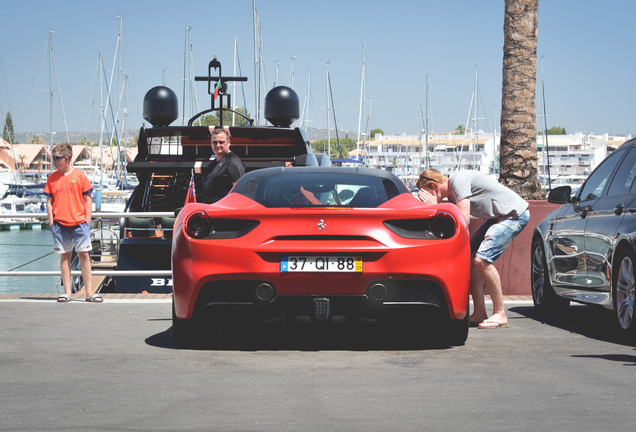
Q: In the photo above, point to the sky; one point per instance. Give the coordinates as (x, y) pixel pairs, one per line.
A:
(585, 50)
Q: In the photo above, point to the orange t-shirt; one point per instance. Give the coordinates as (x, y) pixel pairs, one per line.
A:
(67, 191)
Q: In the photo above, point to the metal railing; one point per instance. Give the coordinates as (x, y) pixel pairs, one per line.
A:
(96, 215)
(109, 215)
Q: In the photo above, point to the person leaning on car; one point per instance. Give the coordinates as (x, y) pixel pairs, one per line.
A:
(221, 174)
(505, 214)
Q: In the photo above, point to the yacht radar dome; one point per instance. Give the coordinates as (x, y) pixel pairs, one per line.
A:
(281, 106)
(161, 106)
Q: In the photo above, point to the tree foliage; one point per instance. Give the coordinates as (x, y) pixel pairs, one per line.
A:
(555, 130)
(213, 119)
(340, 150)
(375, 131)
(37, 139)
(8, 133)
(459, 130)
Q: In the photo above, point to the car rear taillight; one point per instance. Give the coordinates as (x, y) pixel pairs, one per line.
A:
(443, 225)
(440, 226)
(200, 225)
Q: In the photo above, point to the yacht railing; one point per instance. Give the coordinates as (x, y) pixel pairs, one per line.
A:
(96, 215)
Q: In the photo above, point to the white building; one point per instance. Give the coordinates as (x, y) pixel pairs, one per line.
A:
(407, 156)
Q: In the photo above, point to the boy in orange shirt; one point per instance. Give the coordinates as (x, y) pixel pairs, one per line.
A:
(69, 207)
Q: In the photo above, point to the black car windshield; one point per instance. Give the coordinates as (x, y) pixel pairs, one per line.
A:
(303, 189)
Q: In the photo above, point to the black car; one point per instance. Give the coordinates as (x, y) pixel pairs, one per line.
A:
(584, 251)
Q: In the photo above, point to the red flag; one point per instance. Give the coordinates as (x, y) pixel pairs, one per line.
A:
(191, 197)
(217, 86)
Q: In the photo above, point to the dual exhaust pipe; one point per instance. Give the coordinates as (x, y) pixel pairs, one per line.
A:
(265, 292)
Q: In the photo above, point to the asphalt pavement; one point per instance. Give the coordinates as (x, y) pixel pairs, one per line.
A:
(114, 367)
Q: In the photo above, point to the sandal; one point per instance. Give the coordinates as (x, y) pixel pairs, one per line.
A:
(63, 298)
(95, 298)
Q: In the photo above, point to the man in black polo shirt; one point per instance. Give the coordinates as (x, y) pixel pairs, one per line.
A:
(220, 176)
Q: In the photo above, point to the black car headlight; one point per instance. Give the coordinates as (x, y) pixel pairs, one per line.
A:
(200, 225)
(441, 226)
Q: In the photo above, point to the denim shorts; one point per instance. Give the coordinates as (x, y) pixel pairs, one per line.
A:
(494, 235)
(65, 236)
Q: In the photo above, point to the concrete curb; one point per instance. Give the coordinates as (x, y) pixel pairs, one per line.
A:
(163, 298)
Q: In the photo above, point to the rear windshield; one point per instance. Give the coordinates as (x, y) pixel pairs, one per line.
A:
(315, 190)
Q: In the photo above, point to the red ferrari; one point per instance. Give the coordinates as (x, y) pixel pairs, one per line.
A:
(318, 243)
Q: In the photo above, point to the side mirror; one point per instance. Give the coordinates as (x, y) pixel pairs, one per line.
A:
(560, 195)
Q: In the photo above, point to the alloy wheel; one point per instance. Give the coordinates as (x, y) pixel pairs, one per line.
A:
(625, 290)
(538, 274)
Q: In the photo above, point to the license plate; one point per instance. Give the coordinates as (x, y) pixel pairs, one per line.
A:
(320, 264)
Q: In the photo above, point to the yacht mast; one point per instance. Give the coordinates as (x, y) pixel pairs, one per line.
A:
(545, 131)
(51, 97)
(328, 109)
(475, 119)
(235, 43)
(428, 161)
(364, 56)
(257, 83)
(291, 72)
(303, 118)
(103, 123)
(185, 56)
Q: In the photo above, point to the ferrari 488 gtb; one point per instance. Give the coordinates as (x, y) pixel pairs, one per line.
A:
(320, 243)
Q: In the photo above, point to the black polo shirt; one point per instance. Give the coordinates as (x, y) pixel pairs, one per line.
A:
(220, 176)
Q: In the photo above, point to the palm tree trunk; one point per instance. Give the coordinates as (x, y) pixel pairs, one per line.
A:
(518, 149)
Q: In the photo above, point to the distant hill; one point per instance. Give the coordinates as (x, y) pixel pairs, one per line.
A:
(60, 137)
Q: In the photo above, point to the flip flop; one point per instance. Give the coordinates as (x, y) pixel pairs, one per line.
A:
(63, 298)
(95, 298)
(491, 325)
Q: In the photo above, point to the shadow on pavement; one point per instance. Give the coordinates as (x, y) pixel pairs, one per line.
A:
(362, 337)
(594, 322)
(627, 360)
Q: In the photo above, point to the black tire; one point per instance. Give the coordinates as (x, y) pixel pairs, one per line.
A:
(456, 332)
(623, 292)
(186, 332)
(543, 296)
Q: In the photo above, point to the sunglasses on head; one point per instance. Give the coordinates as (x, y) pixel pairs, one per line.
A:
(423, 177)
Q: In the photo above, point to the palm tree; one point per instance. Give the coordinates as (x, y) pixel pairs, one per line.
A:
(22, 159)
(518, 151)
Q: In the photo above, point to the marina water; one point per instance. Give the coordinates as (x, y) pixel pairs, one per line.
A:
(29, 250)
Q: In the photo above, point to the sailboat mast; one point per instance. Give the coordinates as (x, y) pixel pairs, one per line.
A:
(234, 82)
(185, 56)
(257, 95)
(475, 118)
(51, 96)
(328, 109)
(428, 161)
(303, 118)
(494, 139)
(291, 72)
(103, 117)
(545, 130)
(119, 70)
(361, 100)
